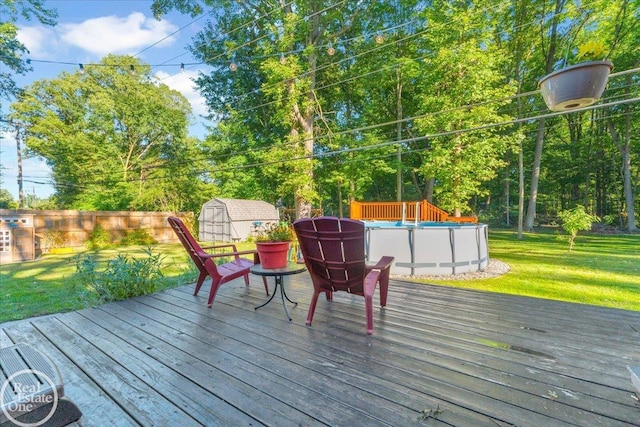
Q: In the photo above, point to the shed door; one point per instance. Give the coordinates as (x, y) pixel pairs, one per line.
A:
(221, 226)
(17, 244)
(24, 242)
(206, 225)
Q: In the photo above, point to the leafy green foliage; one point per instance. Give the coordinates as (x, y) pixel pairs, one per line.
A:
(124, 277)
(11, 49)
(6, 200)
(114, 141)
(140, 236)
(99, 238)
(275, 232)
(464, 69)
(575, 220)
(591, 51)
(413, 115)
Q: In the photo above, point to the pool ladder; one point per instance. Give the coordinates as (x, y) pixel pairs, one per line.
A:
(404, 213)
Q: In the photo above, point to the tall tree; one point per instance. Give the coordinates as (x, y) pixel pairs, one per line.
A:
(108, 134)
(12, 51)
(624, 28)
(551, 21)
(12, 60)
(463, 74)
(312, 102)
(267, 61)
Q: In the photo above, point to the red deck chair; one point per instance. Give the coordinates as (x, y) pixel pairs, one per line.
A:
(222, 273)
(333, 251)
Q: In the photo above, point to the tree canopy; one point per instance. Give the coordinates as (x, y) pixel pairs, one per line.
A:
(404, 98)
(115, 140)
(316, 104)
(12, 51)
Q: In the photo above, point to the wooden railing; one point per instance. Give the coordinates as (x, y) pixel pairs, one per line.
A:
(404, 211)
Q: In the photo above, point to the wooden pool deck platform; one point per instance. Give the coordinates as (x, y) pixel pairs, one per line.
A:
(439, 357)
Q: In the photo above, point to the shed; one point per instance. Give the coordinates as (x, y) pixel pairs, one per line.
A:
(228, 220)
(17, 238)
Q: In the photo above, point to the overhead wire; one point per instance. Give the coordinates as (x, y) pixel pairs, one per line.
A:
(382, 124)
(406, 141)
(348, 59)
(171, 35)
(420, 138)
(208, 60)
(211, 59)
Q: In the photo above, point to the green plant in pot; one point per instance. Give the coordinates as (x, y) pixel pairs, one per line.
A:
(578, 85)
(276, 232)
(591, 51)
(273, 244)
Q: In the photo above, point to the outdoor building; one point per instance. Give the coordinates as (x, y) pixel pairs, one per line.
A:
(16, 237)
(229, 220)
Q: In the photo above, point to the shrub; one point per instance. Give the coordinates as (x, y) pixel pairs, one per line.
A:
(576, 219)
(99, 238)
(139, 236)
(53, 239)
(124, 277)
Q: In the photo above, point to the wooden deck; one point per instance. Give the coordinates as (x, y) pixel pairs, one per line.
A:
(438, 357)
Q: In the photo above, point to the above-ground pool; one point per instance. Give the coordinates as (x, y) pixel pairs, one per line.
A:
(428, 248)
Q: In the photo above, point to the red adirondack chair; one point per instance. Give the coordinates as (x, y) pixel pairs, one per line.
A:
(333, 251)
(219, 274)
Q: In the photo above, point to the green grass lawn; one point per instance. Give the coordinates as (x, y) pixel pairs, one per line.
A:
(47, 285)
(601, 270)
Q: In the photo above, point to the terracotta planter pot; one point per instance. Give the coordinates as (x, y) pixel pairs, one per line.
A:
(273, 254)
(576, 86)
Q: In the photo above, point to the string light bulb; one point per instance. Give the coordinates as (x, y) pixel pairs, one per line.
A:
(233, 66)
(132, 70)
(330, 50)
(182, 68)
(81, 68)
(379, 38)
(283, 60)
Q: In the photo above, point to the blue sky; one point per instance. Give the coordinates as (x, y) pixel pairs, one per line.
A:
(87, 31)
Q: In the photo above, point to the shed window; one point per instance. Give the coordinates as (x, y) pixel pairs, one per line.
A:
(5, 240)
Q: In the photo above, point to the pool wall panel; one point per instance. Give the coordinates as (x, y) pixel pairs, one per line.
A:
(430, 250)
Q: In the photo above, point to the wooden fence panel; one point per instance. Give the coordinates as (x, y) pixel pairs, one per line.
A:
(75, 227)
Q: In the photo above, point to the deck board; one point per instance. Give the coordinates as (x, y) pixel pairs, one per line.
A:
(439, 357)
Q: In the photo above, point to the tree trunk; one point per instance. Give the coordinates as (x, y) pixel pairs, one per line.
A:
(304, 119)
(428, 189)
(520, 190)
(21, 197)
(535, 177)
(399, 135)
(507, 199)
(550, 59)
(624, 147)
(340, 208)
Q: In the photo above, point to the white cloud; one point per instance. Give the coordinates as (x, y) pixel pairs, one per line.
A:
(183, 83)
(41, 41)
(119, 35)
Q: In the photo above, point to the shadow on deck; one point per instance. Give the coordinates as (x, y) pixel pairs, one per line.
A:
(439, 356)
